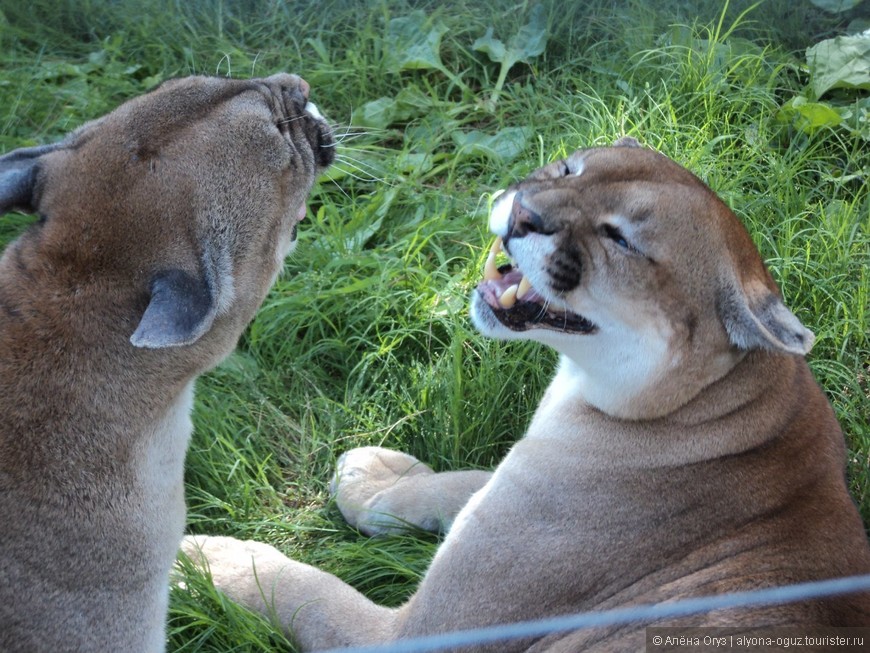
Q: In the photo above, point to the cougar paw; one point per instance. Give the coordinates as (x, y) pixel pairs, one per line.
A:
(243, 570)
(227, 555)
(369, 486)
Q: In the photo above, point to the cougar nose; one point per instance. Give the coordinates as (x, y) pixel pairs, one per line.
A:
(523, 221)
(304, 88)
(289, 84)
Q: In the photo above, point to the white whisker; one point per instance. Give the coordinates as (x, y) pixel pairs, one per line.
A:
(358, 164)
(338, 186)
(343, 156)
(544, 308)
(287, 121)
(360, 177)
(341, 139)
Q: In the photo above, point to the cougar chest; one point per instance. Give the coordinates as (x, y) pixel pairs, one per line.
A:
(159, 469)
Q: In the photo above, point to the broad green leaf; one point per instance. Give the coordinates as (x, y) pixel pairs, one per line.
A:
(841, 62)
(836, 6)
(431, 131)
(414, 163)
(377, 114)
(413, 42)
(528, 42)
(531, 40)
(490, 46)
(410, 103)
(809, 116)
(504, 145)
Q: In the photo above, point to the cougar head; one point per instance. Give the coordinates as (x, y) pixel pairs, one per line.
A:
(637, 273)
(183, 201)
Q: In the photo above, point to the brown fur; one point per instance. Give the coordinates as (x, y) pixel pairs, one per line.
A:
(682, 449)
(163, 225)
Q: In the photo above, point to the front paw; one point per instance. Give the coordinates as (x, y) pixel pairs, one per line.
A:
(370, 486)
(246, 571)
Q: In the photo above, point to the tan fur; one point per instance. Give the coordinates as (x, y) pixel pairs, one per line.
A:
(682, 449)
(163, 225)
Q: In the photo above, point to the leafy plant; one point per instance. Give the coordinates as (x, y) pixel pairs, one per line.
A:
(504, 145)
(529, 42)
(409, 103)
(841, 62)
(413, 42)
(838, 68)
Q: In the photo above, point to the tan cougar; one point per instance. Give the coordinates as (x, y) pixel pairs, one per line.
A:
(682, 448)
(163, 224)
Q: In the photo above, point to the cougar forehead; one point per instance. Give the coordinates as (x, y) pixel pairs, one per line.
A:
(634, 270)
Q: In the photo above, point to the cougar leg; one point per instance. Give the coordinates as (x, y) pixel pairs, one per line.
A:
(316, 609)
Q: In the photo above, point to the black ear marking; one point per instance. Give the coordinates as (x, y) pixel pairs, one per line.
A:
(18, 170)
(181, 310)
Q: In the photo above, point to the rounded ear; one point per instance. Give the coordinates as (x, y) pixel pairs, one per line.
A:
(756, 318)
(184, 306)
(626, 141)
(18, 177)
(181, 310)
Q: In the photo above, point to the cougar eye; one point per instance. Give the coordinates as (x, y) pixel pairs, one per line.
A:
(614, 234)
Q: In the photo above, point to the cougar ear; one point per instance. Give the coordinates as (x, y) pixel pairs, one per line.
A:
(183, 306)
(18, 177)
(626, 141)
(181, 310)
(756, 318)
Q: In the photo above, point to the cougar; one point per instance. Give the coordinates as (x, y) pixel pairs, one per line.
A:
(161, 227)
(682, 448)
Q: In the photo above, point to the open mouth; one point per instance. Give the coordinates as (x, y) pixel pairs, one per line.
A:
(517, 305)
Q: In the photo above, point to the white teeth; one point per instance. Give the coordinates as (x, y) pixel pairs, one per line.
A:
(509, 297)
(490, 269)
(523, 288)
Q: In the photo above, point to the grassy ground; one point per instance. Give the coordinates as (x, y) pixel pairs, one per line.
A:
(365, 339)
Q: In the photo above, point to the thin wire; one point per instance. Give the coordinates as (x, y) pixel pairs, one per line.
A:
(635, 614)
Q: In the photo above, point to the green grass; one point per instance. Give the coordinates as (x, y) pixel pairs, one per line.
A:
(365, 339)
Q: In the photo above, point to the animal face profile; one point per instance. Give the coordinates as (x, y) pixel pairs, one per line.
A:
(611, 266)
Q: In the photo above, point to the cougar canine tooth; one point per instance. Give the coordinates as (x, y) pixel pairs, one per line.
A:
(509, 297)
(523, 288)
(490, 269)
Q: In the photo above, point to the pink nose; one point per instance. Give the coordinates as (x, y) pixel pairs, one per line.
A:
(305, 87)
(523, 220)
